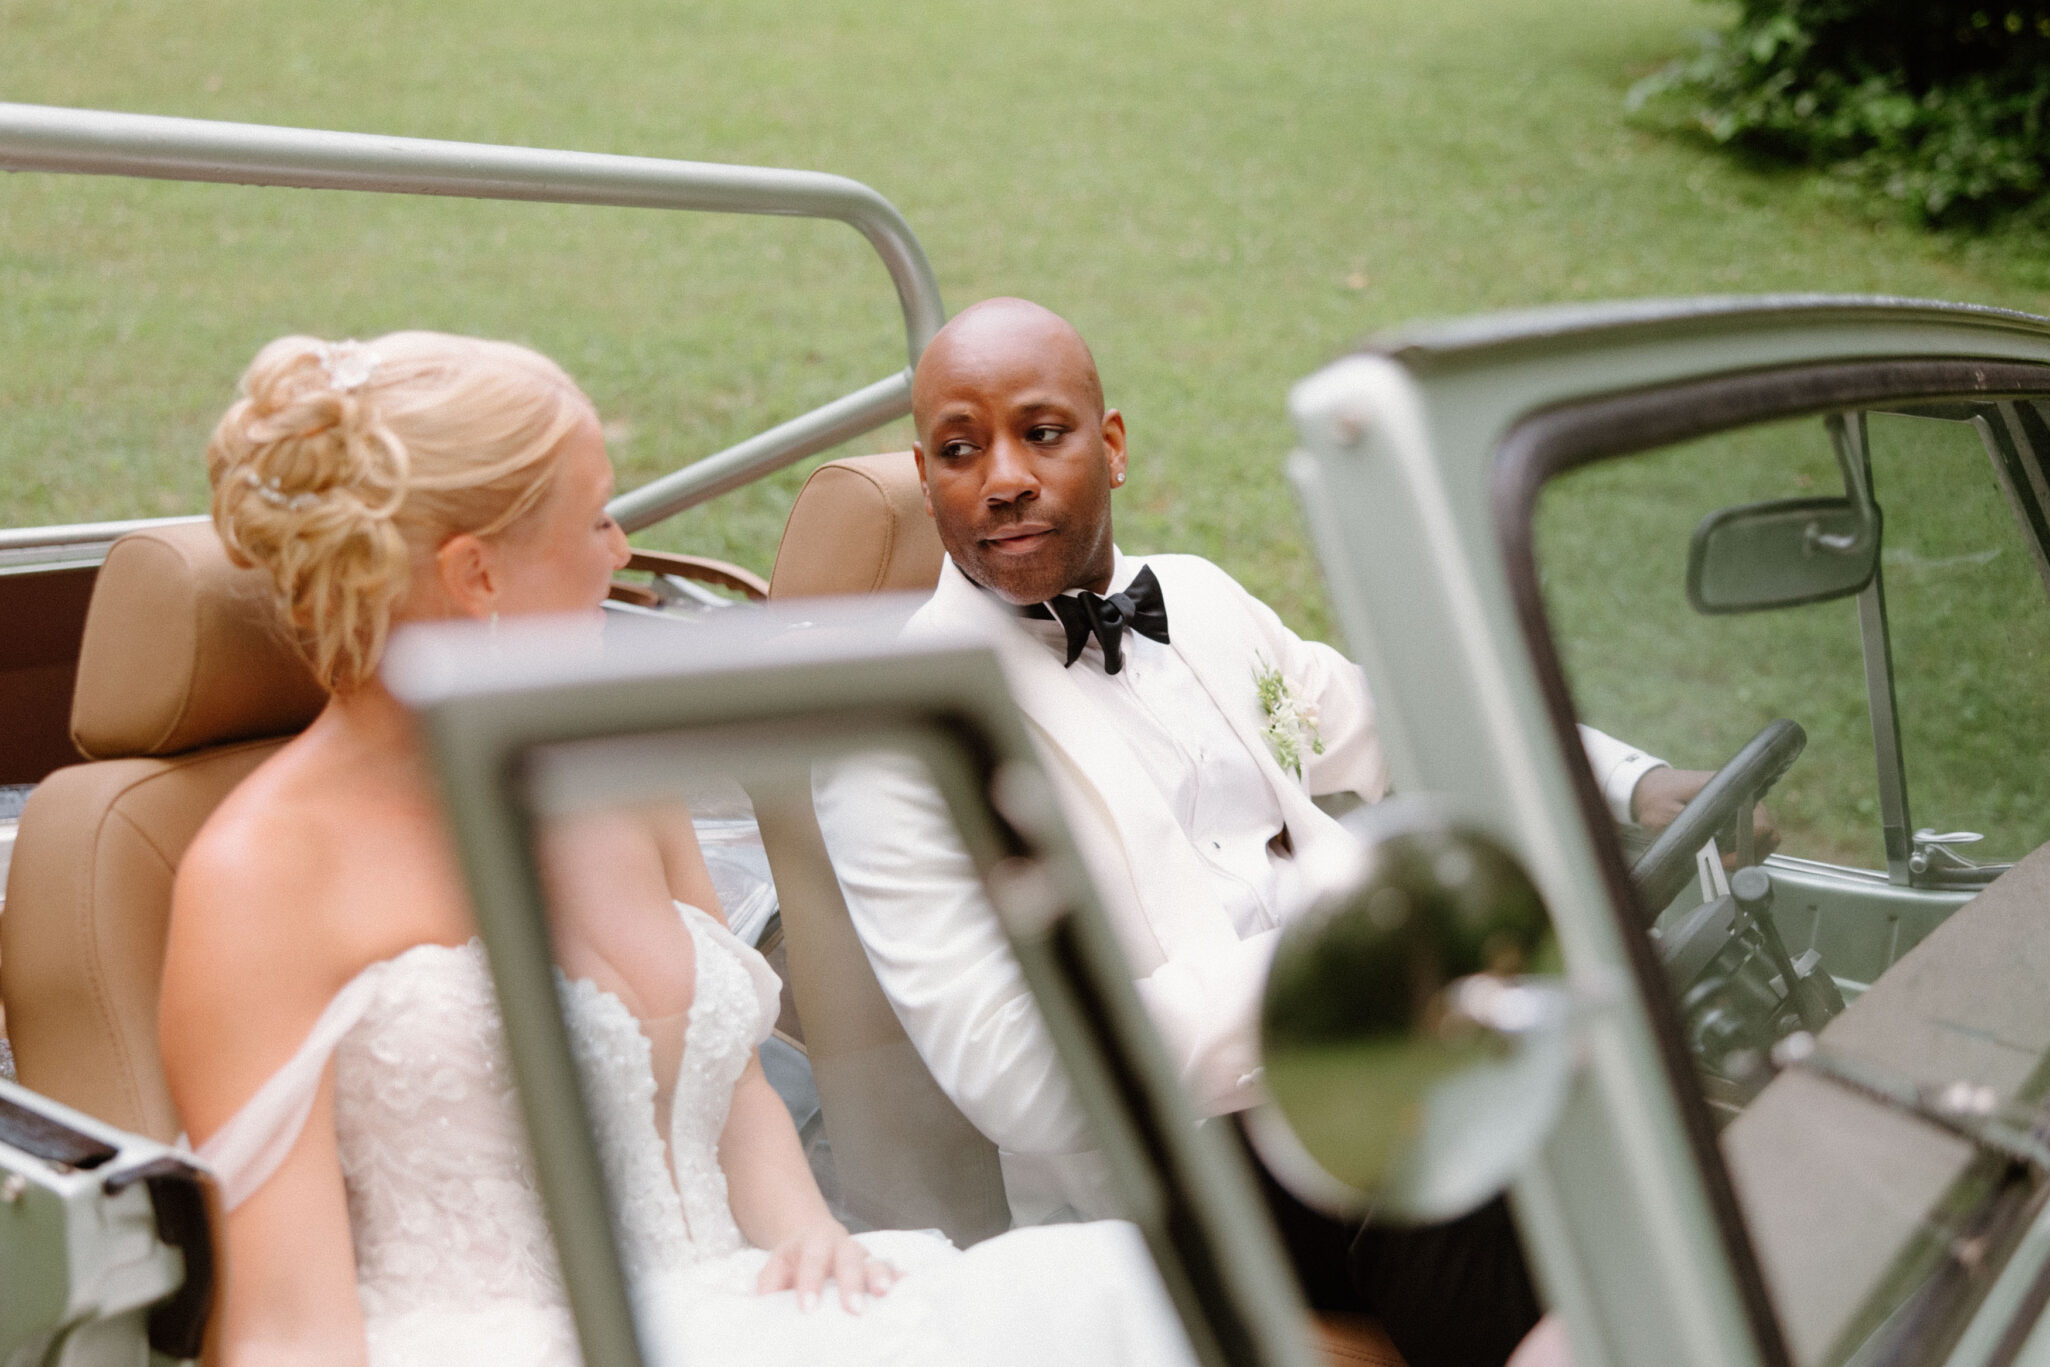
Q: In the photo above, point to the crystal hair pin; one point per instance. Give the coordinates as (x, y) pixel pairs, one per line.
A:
(349, 365)
(273, 493)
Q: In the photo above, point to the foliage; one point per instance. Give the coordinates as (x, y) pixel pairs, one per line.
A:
(1942, 106)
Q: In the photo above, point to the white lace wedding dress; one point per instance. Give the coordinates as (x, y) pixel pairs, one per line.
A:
(454, 1262)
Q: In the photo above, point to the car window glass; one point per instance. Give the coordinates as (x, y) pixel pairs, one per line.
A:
(1970, 628)
(1839, 1010)
(1645, 668)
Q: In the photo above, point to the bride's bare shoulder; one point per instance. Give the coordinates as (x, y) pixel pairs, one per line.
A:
(252, 957)
(316, 865)
(268, 847)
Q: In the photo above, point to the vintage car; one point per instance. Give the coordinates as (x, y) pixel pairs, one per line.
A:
(1753, 1104)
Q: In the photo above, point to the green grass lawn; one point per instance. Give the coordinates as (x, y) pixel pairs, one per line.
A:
(1221, 196)
(1968, 623)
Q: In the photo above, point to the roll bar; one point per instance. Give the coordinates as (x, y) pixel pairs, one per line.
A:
(92, 142)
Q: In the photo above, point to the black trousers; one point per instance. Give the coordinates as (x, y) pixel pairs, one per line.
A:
(1451, 1295)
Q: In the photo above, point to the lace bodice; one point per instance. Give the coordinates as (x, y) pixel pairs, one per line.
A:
(443, 1203)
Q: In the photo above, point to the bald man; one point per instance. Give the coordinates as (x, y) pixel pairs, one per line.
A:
(1189, 734)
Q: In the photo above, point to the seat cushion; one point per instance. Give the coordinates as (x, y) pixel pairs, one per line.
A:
(182, 650)
(858, 526)
(82, 941)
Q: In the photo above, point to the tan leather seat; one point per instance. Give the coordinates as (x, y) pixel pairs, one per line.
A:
(905, 1157)
(186, 682)
(858, 526)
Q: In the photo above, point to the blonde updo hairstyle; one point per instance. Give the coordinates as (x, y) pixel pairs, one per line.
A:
(346, 465)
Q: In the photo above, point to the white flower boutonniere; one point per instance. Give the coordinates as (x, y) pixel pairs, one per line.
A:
(1291, 727)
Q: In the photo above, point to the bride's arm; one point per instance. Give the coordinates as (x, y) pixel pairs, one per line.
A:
(287, 1292)
(237, 996)
(778, 1206)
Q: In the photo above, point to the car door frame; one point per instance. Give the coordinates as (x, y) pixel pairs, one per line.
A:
(800, 683)
(1417, 465)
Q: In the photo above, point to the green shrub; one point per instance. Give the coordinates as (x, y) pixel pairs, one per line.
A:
(1938, 105)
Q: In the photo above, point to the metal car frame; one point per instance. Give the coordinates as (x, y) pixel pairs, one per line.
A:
(1195, 1203)
(92, 142)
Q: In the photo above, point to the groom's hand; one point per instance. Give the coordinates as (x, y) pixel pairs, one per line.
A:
(1664, 791)
(803, 1261)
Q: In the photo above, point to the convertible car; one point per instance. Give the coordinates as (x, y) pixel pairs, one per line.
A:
(1761, 1092)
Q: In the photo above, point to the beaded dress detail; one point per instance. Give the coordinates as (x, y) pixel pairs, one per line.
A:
(442, 1199)
(455, 1265)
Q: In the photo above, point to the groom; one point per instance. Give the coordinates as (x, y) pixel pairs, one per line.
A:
(1189, 732)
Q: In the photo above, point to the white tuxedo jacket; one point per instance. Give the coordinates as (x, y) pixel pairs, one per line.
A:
(940, 953)
(937, 947)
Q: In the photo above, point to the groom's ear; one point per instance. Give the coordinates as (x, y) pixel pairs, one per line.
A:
(465, 567)
(1113, 429)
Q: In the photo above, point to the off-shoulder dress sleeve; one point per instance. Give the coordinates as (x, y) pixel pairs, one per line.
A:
(244, 1152)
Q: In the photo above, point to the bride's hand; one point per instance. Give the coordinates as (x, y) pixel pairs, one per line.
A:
(804, 1260)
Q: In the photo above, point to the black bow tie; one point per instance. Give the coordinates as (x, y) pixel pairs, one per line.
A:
(1084, 615)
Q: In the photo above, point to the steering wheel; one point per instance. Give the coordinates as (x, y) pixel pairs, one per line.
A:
(1665, 868)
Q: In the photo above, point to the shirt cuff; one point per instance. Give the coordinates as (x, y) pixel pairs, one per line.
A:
(1621, 781)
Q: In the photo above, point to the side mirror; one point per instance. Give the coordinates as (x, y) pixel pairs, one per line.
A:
(1413, 1066)
(1793, 550)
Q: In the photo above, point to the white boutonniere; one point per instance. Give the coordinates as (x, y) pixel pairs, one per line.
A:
(1291, 727)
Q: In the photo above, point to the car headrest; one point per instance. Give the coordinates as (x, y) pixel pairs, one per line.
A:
(858, 526)
(184, 650)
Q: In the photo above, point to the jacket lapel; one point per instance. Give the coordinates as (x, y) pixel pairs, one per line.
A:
(1221, 652)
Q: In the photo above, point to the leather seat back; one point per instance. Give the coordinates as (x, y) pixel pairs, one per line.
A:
(905, 1156)
(186, 682)
(858, 526)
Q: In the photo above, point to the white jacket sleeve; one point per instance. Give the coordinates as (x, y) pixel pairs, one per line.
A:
(1207, 1009)
(1352, 759)
(941, 956)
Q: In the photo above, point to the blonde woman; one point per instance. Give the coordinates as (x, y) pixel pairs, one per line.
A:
(328, 1026)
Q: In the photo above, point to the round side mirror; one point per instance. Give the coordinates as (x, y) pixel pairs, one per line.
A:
(1413, 1061)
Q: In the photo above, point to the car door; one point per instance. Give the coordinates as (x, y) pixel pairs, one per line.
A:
(1802, 543)
(548, 745)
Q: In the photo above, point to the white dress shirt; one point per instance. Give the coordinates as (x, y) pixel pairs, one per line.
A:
(1617, 767)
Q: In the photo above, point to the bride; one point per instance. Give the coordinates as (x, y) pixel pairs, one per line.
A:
(328, 1027)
